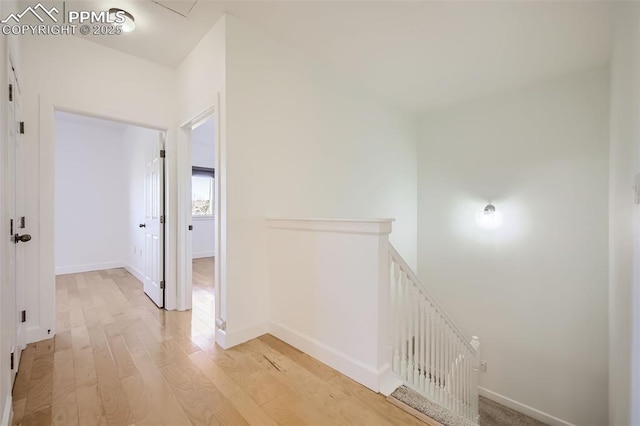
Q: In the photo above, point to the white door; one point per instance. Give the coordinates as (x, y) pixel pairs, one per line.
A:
(14, 301)
(154, 223)
(22, 224)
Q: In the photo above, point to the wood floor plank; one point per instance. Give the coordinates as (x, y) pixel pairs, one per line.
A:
(18, 411)
(90, 409)
(38, 418)
(249, 410)
(41, 384)
(159, 393)
(64, 409)
(21, 386)
(321, 370)
(62, 341)
(188, 396)
(114, 401)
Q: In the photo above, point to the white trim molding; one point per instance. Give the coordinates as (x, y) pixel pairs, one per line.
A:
(7, 417)
(204, 254)
(227, 339)
(351, 226)
(76, 269)
(358, 371)
(135, 272)
(523, 408)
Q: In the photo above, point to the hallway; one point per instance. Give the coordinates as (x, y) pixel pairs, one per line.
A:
(118, 360)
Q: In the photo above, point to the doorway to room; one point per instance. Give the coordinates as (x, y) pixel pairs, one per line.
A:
(203, 225)
(109, 200)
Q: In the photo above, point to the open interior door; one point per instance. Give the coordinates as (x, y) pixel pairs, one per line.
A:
(154, 223)
(22, 225)
(13, 296)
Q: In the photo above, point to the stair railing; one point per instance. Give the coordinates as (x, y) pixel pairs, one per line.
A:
(430, 353)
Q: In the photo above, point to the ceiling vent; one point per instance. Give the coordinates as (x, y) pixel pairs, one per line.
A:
(182, 8)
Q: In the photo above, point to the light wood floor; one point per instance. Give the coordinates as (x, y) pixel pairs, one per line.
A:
(118, 360)
(203, 296)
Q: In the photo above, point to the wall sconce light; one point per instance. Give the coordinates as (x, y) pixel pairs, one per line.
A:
(489, 218)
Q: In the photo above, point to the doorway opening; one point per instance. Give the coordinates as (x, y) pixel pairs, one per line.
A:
(109, 201)
(203, 220)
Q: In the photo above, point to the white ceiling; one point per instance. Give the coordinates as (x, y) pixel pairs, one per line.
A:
(416, 55)
(162, 34)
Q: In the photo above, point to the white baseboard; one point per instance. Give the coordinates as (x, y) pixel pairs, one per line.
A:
(7, 414)
(523, 408)
(229, 339)
(135, 272)
(76, 269)
(203, 254)
(388, 381)
(361, 373)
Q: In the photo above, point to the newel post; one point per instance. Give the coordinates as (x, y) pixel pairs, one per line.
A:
(475, 342)
(387, 382)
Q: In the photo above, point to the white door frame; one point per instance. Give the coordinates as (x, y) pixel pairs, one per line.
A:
(185, 217)
(45, 236)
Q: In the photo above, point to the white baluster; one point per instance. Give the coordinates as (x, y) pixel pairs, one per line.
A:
(420, 328)
(434, 357)
(416, 333)
(423, 336)
(397, 309)
(409, 330)
(403, 328)
(438, 357)
(475, 342)
(447, 365)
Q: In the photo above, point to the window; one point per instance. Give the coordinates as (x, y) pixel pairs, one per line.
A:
(202, 184)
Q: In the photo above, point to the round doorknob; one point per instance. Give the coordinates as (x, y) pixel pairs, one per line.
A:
(143, 225)
(21, 238)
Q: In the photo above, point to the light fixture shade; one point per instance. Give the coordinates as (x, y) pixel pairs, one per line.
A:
(129, 23)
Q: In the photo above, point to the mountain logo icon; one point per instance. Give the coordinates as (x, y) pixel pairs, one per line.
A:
(39, 11)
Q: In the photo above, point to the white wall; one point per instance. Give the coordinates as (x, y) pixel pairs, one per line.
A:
(534, 290)
(100, 169)
(136, 142)
(84, 77)
(314, 148)
(203, 155)
(624, 225)
(90, 202)
(328, 289)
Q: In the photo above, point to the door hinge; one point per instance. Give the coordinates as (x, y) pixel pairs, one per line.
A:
(162, 219)
(23, 316)
(23, 222)
(163, 153)
(11, 227)
(10, 92)
(161, 285)
(190, 227)
(22, 127)
(11, 360)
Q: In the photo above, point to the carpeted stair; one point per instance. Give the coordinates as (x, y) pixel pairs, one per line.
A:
(491, 413)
